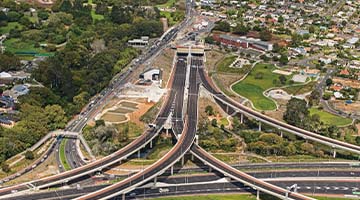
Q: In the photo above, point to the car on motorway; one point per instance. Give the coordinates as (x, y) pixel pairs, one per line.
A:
(164, 190)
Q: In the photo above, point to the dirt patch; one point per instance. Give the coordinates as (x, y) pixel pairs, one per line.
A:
(358, 128)
(203, 102)
(114, 117)
(47, 168)
(130, 105)
(164, 61)
(212, 58)
(278, 114)
(142, 109)
(348, 108)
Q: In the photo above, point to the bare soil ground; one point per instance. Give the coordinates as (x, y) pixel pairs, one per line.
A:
(47, 168)
(348, 108)
(143, 107)
(164, 61)
(212, 58)
(278, 114)
(203, 102)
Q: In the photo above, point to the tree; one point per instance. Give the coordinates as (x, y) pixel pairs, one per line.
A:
(29, 155)
(56, 117)
(296, 40)
(13, 16)
(312, 29)
(296, 112)
(282, 79)
(265, 35)
(357, 139)
(283, 59)
(209, 110)
(214, 122)
(9, 62)
(120, 15)
(328, 81)
(241, 29)
(281, 19)
(43, 15)
(222, 26)
(307, 148)
(209, 40)
(5, 167)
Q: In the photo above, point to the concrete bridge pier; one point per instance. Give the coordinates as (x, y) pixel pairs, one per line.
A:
(151, 144)
(138, 154)
(123, 196)
(155, 180)
(172, 170)
(242, 118)
(259, 125)
(257, 194)
(334, 153)
(210, 169)
(197, 139)
(182, 161)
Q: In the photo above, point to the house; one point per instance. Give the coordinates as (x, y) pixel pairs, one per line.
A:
(153, 75)
(336, 87)
(338, 95)
(310, 72)
(5, 78)
(243, 42)
(16, 91)
(6, 102)
(344, 72)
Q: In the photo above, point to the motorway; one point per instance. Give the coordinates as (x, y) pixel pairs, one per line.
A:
(72, 157)
(177, 152)
(77, 124)
(98, 165)
(234, 106)
(214, 182)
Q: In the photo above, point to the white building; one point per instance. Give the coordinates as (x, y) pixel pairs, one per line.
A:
(153, 75)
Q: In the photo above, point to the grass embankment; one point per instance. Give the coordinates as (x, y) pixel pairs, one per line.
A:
(224, 65)
(300, 89)
(168, 4)
(15, 45)
(63, 160)
(259, 79)
(9, 26)
(93, 13)
(328, 118)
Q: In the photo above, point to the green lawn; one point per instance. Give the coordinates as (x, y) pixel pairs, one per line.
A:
(224, 122)
(224, 65)
(64, 163)
(168, 4)
(10, 25)
(329, 118)
(252, 88)
(16, 45)
(93, 14)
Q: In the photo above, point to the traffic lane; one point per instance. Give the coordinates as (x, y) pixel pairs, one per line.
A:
(198, 183)
(284, 126)
(78, 126)
(175, 153)
(68, 154)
